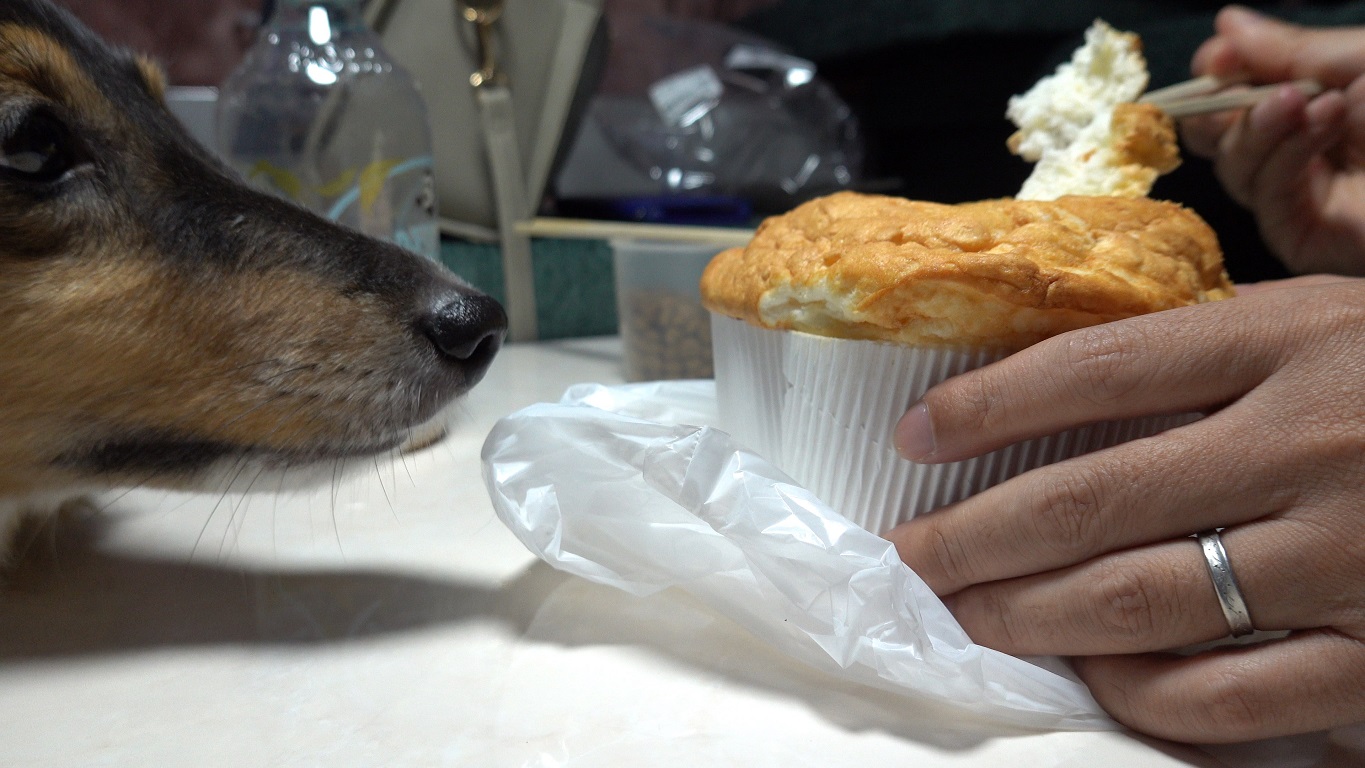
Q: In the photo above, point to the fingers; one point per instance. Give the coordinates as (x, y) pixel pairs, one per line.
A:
(1261, 49)
(1151, 364)
(1302, 281)
(1306, 682)
(1216, 56)
(1265, 161)
(1201, 134)
(1291, 162)
(1268, 50)
(1191, 479)
(1091, 556)
(1148, 599)
(1242, 150)
(1161, 596)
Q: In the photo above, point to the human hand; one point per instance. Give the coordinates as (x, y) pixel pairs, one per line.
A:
(1091, 557)
(1297, 163)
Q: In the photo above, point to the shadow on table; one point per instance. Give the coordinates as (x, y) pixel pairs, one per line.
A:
(69, 598)
(573, 612)
(551, 607)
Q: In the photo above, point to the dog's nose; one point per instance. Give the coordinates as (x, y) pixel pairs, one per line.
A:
(467, 330)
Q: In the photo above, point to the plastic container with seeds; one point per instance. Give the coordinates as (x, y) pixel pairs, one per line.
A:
(664, 329)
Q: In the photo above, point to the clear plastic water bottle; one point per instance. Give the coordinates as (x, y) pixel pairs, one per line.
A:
(317, 112)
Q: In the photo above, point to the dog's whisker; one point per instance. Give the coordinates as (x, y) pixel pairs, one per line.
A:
(239, 465)
(379, 476)
(203, 529)
(111, 501)
(337, 469)
(234, 522)
(392, 458)
(275, 516)
(227, 484)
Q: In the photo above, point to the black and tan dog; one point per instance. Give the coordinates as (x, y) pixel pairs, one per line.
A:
(161, 323)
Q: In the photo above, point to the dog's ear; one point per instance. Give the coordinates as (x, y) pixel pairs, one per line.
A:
(153, 75)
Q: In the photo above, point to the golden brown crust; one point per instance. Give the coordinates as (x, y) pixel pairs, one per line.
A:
(1144, 135)
(997, 273)
(1144, 147)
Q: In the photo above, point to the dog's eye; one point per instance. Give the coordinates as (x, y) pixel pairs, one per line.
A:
(37, 149)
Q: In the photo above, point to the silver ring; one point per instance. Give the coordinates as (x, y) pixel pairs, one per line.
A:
(1225, 584)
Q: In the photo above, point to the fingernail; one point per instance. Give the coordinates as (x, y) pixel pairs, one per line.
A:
(915, 434)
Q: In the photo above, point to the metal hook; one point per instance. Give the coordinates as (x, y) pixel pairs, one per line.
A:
(483, 14)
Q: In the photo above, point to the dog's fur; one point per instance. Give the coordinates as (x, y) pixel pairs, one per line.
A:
(161, 323)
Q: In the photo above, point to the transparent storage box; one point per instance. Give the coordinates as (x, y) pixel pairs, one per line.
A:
(664, 329)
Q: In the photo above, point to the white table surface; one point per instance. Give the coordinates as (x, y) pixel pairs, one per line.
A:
(391, 620)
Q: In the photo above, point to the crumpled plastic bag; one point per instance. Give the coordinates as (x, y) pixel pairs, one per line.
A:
(618, 485)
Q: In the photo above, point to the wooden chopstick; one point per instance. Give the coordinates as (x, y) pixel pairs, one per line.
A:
(1199, 86)
(1203, 95)
(606, 230)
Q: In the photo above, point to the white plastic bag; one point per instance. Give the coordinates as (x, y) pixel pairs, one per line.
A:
(615, 484)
